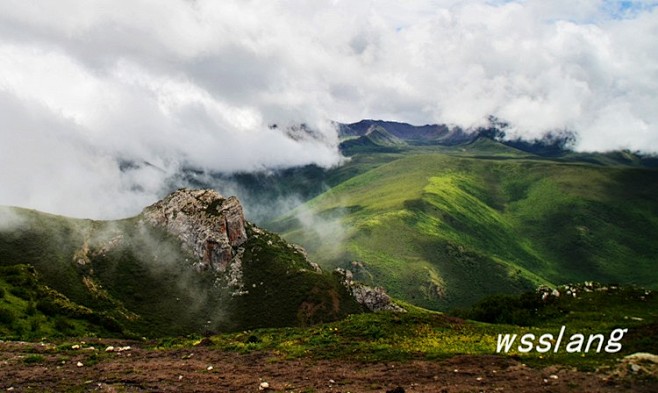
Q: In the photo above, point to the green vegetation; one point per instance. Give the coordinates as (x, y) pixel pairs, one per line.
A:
(33, 359)
(67, 277)
(421, 334)
(594, 305)
(444, 227)
(439, 227)
(31, 310)
(277, 277)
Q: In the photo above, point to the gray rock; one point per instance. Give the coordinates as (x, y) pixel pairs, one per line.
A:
(210, 226)
(374, 299)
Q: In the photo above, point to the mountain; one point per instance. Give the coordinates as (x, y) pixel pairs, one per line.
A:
(356, 137)
(368, 135)
(188, 263)
(444, 226)
(268, 194)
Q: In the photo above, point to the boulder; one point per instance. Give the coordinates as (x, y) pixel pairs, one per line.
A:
(374, 299)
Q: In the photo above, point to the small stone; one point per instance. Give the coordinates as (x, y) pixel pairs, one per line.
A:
(209, 368)
(76, 346)
(264, 386)
(553, 376)
(109, 349)
(79, 364)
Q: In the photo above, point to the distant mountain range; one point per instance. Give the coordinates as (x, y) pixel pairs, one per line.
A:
(372, 133)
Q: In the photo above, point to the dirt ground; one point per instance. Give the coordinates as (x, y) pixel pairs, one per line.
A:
(44, 367)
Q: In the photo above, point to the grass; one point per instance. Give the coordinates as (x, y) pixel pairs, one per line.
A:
(282, 288)
(426, 335)
(34, 359)
(470, 223)
(421, 334)
(62, 276)
(30, 310)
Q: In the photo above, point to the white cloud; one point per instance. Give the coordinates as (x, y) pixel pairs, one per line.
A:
(85, 87)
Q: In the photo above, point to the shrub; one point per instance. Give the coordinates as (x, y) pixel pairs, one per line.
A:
(47, 307)
(34, 325)
(21, 293)
(32, 359)
(7, 316)
(63, 325)
(527, 309)
(31, 308)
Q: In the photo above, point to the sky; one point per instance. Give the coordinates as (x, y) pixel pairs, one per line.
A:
(86, 88)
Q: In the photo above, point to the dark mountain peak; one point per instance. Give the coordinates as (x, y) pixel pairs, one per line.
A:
(551, 144)
(428, 134)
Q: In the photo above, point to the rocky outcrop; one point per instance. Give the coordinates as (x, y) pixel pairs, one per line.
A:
(210, 226)
(639, 364)
(374, 299)
(213, 228)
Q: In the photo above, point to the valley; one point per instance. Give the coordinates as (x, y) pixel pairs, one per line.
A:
(441, 226)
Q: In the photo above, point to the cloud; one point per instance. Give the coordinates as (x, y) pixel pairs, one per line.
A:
(86, 88)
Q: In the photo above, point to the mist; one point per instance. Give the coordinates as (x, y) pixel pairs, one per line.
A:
(86, 88)
(10, 220)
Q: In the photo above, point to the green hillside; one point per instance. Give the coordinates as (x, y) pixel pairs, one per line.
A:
(62, 276)
(443, 227)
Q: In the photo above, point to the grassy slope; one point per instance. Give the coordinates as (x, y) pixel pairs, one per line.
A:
(30, 310)
(443, 230)
(121, 282)
(136, 279)
(421, 334)
(283, 291)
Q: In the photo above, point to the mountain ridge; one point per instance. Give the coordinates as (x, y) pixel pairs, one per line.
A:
(551, 144)
(442, 228)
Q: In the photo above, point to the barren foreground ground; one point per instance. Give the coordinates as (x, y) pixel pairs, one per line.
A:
(65, 367)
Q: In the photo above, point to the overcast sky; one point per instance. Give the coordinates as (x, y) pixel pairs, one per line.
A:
(86, 85)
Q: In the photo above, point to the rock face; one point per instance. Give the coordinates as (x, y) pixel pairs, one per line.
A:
(374, 299)
(210, 226)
